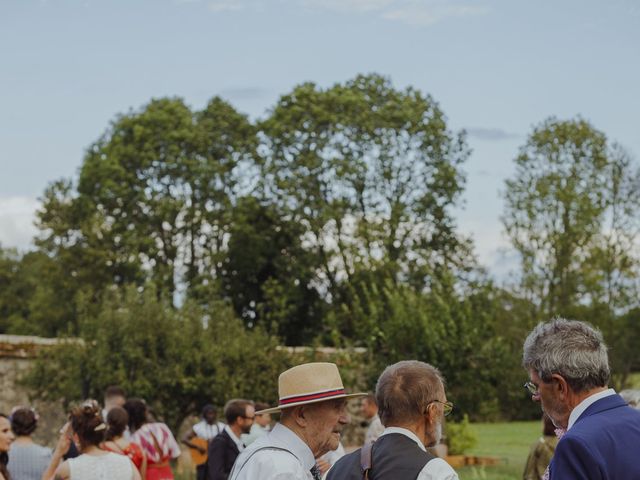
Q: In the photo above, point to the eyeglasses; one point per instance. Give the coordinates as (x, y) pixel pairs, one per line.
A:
(532, 388)
(447, 406)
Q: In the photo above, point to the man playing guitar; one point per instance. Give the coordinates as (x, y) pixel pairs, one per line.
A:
(198, 438)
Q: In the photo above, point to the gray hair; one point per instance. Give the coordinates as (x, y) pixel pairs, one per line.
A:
(404, 389)
(575, 350)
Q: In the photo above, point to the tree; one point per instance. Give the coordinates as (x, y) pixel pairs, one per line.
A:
(36, 294)
(371, 173)
(176, 359)
(568, 184)
(154, 195)
(571, 212)
(268, 274)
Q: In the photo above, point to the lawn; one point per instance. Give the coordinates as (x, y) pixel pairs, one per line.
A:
(509, 442)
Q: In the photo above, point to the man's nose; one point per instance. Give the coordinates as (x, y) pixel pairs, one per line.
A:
(345, 418)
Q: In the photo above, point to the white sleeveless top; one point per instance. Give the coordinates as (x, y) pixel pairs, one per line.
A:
(104, 467)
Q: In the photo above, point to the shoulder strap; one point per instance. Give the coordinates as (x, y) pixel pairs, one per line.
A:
(253, 453)
(366, 460)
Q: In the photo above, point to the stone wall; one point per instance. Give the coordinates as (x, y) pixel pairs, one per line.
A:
(16, 355)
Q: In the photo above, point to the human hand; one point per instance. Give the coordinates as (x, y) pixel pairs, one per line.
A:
(64, 442)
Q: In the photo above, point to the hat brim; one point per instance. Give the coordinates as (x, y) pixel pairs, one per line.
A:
(307, 402)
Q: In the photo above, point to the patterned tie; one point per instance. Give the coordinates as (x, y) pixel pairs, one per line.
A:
(315, 472)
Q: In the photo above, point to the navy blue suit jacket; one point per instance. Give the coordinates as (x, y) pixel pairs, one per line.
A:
(604, 443)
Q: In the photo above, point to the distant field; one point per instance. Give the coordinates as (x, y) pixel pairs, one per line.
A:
(508, 441)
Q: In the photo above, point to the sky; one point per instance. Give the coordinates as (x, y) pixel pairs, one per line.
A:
(496, 68)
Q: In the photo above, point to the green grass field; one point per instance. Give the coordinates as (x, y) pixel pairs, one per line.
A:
(509, 442)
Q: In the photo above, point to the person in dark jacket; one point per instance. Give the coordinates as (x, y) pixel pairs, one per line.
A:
(225, 447)
(569, 374)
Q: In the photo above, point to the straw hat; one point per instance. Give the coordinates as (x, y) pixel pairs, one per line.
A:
(309, 383)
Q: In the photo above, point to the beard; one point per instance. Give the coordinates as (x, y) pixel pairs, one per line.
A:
(438, 433)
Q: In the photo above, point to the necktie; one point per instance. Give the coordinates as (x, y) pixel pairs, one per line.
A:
(315, 472)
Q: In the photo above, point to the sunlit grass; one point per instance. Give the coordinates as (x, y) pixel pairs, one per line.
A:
(510, 442)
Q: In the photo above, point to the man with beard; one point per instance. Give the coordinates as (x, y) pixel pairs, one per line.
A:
(226, 446)
(569, 371)
(412, 406)
(313, 412)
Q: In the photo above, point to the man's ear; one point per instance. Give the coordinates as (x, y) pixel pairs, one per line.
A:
(432, 412)
(300, 415)
(560, 385)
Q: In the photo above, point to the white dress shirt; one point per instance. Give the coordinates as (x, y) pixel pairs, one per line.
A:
(436, 469)
(206, 430)
(375, 429)
(586, 403)
(235, 438)
(273, 464)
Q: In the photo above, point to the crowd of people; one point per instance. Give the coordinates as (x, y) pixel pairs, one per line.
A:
(590, 431)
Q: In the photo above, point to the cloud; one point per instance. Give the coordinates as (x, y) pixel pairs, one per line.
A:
(423, 13)
(492, 134)
(349, 6)
(228, 5)
(412, 12)
(17, 215)
(244, 93)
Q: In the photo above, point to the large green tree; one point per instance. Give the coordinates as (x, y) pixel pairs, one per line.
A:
(154, 196)
(571, 213)
(371, 173)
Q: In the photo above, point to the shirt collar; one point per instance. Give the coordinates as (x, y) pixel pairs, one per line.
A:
(586, 403)
(406, 433)
(236, 440)
(292, 442)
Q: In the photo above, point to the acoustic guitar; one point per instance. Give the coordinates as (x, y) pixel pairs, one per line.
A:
(196, 457)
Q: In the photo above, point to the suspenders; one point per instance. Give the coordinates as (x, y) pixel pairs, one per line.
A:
(236, 472)
(366, 461)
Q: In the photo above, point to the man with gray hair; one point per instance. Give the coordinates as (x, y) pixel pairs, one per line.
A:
(569, 371)
(412, 406)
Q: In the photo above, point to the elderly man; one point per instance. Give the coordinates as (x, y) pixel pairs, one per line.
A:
(412, 406)
(313, 412)
(569, 370)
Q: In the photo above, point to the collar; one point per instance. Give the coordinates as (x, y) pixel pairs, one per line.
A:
(285, 437)
(406, 433)
(586, 403)
(235, 439)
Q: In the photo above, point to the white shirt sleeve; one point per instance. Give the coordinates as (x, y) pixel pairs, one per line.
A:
(437, 469)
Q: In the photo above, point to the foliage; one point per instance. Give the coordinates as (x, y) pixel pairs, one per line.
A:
(203, 235)
(177, 359)
(371, 173)
(461, 437)
(571, 213)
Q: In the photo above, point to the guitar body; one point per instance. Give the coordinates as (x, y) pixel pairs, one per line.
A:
(196, 457)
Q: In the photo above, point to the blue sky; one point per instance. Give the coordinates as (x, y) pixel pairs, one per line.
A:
(496, 68)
